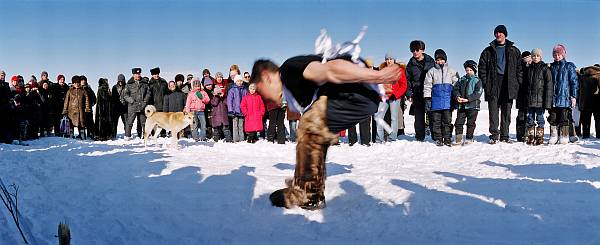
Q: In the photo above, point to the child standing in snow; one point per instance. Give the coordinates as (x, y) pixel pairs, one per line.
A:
(539, 88)
(195, 103)
(467, 94)
(437, 91)
(234, 99)
(253, 108)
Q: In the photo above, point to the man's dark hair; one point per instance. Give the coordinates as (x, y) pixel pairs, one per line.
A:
(205, 71)
(417, 45)
(259, 66)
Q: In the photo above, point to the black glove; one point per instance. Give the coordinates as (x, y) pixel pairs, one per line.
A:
(427, 104)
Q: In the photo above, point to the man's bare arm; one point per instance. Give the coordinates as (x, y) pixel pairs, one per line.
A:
(342, 71)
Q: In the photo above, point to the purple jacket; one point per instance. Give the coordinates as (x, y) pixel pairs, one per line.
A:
(234, 99)
(219, 111)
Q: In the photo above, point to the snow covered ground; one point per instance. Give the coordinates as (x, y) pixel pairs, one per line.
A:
(404, 192)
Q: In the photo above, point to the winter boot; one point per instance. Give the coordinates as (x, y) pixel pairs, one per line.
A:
(539, 136)
(469, 141)
(553, 135)
(530, 135)
(564, 135)
(459, 139)
(307, 188)
(448, 142)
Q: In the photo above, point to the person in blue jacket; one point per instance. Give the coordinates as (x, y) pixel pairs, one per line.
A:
(565, 94)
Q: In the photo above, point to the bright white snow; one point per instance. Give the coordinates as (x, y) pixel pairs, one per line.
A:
(404, 192)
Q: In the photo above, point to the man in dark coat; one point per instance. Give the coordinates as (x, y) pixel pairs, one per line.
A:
(500, 71)
(60, 91)
(158, 86)
(589, 99)
(138, 95)
(175, 100)
(521, 101)
(89, 116)
(119, 104)
(104, 112)
(5, 109)
(416, 69)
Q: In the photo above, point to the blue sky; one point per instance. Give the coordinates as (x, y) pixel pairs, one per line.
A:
(105, 38)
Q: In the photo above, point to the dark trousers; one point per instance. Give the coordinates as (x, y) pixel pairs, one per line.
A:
(468, 115)
(123, 117)
(89, 125)
(521, 124)
(276, 130)
(141, 118)
(586, 121)
(365, 132)
(222, 132)
(418, 108)
(503, 108)
(442, 124)
(559, 117)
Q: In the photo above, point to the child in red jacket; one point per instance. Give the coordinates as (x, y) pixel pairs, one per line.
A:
(253, 108)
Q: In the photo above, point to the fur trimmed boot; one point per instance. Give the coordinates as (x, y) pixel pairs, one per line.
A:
(307, 188)
(459, 140)
(564, 135)
(553, 135)
(539, 136)
(530, 135)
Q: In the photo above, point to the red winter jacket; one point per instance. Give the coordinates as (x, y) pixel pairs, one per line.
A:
(253, 108)
(398, 89)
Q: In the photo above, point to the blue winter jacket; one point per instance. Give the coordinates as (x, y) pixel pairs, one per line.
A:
(438, 86)
(234, 100)
(566, 84)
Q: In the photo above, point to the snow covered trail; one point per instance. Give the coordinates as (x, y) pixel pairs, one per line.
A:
(408, 192)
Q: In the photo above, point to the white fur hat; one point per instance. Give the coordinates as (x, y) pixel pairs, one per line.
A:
(238, 77)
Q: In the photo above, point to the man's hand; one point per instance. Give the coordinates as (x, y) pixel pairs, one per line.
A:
(390, 74)
(573, 102)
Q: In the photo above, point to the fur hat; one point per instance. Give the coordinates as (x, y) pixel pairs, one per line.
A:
(560, 49)
(238, 77)
(14, 78)
(219, 74)
(44, 73)
(501, 29)
(75, 79)
(537, 51)
(389, 56)
(208, 81)
(136, 71)
(179, 77)
(440, 54)
(82, 78)
(2, 72)
(155, 71)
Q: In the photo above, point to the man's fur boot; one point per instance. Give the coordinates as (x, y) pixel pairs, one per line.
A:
(307, 188)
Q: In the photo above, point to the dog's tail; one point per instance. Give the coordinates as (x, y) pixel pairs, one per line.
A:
(149, 110)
